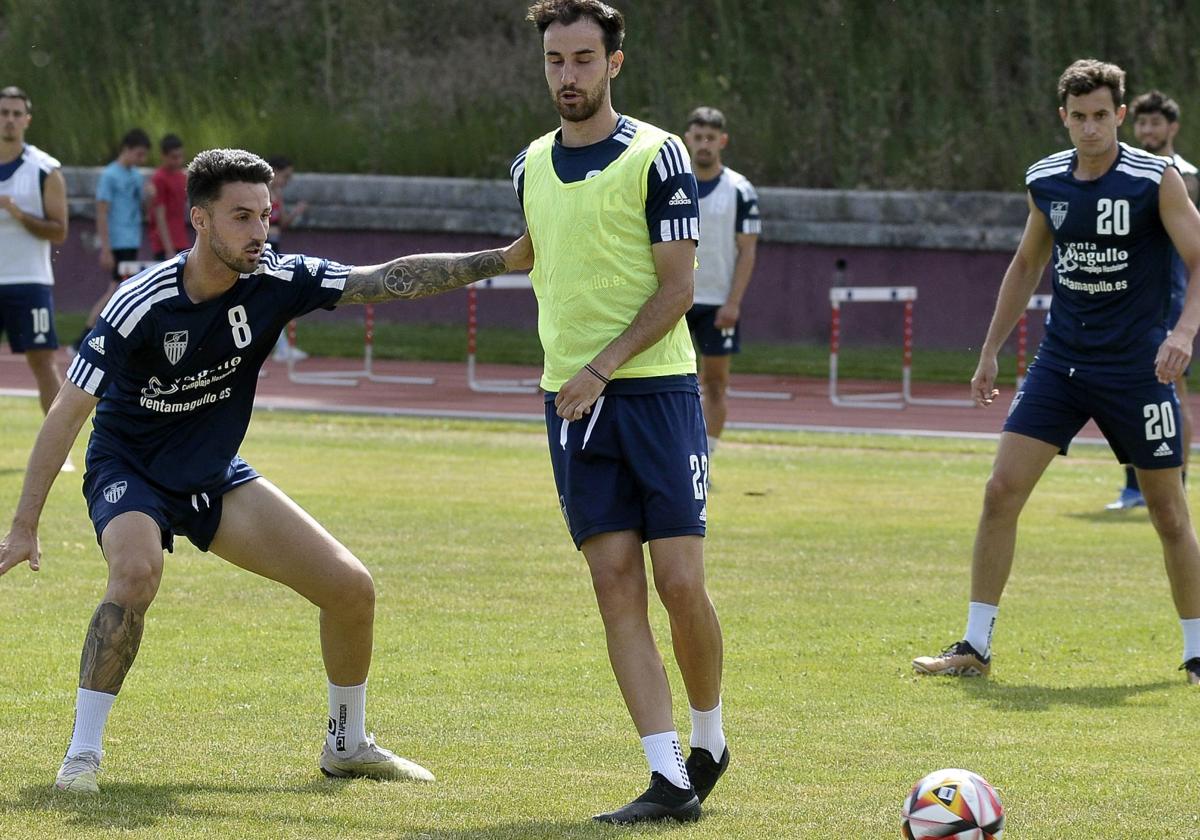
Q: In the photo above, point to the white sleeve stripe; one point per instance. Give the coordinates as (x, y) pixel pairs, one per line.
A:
(694, 224)
(662, 168)
(94, 381)
(683, 156)
(517, 173)
(332, 281)
(80, 373)
(672, 149)
(124, 298)
(668, 164)
(75, 363)
(664, 230)
(134, 318)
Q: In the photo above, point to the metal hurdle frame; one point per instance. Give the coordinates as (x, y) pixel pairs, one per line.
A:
(1037, 303)
(493, 386)
(350, 378)
(128, 268)
(892, 400)
(888, 400)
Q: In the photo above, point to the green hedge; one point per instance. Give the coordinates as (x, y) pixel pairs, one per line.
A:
(915, 94)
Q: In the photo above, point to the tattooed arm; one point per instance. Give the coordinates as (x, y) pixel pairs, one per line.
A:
(422, 275)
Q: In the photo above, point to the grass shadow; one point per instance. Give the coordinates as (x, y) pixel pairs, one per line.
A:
(122, 806)
(1112, 517)
(563, 829)
(1039, 698)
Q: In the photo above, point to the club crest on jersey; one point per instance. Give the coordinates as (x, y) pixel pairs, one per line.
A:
(1058, 212)
(174, 344)
(114, 492)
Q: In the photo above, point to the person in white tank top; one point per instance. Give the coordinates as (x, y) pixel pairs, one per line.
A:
(1155, 125)
(729, 229)
(33, 216)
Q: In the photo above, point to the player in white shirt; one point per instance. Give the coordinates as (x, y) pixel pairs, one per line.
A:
(33, 201)
(1155, 124)
(729, 229)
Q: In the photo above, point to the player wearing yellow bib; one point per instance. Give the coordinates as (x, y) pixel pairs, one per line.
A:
(612, 209)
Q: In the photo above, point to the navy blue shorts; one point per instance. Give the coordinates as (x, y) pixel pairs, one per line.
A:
(1139, 419)
(701, 320)
(112, 488)
(636, 463)
(27, 315)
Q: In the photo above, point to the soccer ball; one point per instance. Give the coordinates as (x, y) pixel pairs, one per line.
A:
(952, 804)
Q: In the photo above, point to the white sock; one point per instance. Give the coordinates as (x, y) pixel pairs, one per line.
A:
(347, 717)
(1191, 637)
(712, 444)
(665, 756)
(91, 713)
(707, 732)
(981, 619)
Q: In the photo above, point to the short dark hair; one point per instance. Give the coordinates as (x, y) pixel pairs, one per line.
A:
(1155, 102)
(1087, 75)
(708, 117)
(14, 92)
(135, 138)
(214, 168)
(169, 143)
(545, 12)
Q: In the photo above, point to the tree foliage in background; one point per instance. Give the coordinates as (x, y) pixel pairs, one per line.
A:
(915, 94)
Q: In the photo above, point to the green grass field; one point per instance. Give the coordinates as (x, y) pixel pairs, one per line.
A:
(833, 561)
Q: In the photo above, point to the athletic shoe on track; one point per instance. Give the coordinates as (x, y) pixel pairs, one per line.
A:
(957, 660)
(371, 761)
(704, 771)
(1192, 667)
(1129, 498)
(661, 801)
(78, 773)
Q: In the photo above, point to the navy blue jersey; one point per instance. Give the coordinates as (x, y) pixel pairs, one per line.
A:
(176, 379)
(1112, 263)
(672, 200)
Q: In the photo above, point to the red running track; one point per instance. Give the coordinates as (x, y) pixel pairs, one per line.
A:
(808, 409)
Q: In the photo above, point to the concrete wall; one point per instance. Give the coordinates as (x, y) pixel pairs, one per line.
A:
(953, 247)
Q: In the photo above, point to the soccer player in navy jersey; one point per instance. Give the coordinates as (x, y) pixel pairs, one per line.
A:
(611, 206)
(170, 371)
(1155, 124)
(1108, 214)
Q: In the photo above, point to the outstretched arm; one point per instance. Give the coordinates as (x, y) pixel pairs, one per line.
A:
(66, 417)
(422, 275)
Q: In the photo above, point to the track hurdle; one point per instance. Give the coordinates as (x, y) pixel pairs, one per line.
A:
(493, 386)
(889, 400)
(128, 268)
(346, 378)
(1037, 303)
(893, 400)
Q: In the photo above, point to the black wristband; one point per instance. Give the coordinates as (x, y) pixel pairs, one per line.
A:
(588, 367)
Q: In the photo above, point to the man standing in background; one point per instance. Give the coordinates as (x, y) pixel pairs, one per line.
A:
(729, 213)
(170, 231)
(33, 196)
(120, 200)
(1155, 124)
(281, 220)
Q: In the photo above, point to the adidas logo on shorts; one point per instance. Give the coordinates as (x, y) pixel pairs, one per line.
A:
(1163, 450)
(680, 197)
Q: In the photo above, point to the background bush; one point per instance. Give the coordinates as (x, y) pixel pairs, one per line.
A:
(917, 94)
